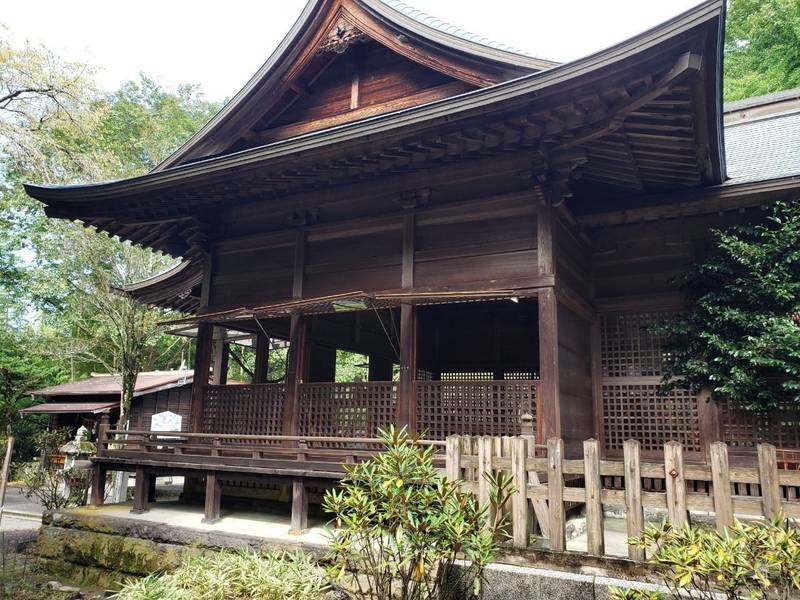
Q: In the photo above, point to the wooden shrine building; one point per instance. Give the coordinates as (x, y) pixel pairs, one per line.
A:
(496, 232)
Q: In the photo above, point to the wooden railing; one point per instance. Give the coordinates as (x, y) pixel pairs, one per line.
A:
(212, 449)
(545, 484)
(474, 407)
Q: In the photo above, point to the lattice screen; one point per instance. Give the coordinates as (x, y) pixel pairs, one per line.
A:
(465, 376)
(743, 429)
(632, 363)
(245, 409)
(346, 409)
(473, 407)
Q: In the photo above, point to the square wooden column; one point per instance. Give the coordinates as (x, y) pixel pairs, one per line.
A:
(202, 364)
(295, 373)
(219, 374)
(548, 418)
(406, 391)
(262, 359)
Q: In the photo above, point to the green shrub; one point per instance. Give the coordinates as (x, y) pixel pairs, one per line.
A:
(756, 560)
(234, 576)
(401, 527)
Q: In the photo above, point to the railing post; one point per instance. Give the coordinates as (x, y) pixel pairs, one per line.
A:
(721, 482)
(634, 513)
(675, 484)
(594, 503)
(519, 501)
(555, 494)
(102, 434)
(485, 469)
(768, 477)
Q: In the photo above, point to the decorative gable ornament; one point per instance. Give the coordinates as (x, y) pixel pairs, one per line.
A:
(341, 37)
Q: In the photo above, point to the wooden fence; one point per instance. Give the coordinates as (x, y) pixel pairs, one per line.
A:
(546, 483)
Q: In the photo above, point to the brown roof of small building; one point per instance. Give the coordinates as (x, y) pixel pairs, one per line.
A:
(52, 408)
(104, 384)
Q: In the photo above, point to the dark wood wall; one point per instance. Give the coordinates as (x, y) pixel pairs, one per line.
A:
(457, 245)
(177, 400)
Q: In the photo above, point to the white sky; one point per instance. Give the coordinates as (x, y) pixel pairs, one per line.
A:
(221, 44)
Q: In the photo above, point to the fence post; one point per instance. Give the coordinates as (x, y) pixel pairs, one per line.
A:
(519, 501)
(721, 481)
(555, 494)
(594, 505)
(539, 504)
(634, 514)
(467, 450)
(453, 458)
(768, 477)
(675, 483)
(485, 454)
(102, 434)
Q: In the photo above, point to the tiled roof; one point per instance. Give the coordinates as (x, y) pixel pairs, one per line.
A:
(454, 30)
(763, 148)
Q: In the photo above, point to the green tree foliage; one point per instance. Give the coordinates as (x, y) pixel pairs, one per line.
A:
(762, 47)
(57, 278)
(741, 334)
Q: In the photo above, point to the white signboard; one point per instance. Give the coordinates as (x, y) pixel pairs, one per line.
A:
(166, 421)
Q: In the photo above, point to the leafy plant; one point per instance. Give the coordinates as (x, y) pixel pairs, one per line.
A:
(755, 560)
(740, 336)
(53, 486)
(234, 576)
(401, 526)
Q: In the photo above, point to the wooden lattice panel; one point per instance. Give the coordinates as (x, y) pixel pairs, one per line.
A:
(346, 409)
(632, 362)
(744, 429)
(473, 407)
(641, 412)
(629, 347)
(245, 409)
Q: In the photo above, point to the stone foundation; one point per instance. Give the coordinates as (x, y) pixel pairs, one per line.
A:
(102, 547)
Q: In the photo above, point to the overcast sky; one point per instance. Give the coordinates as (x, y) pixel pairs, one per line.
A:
(221, 44)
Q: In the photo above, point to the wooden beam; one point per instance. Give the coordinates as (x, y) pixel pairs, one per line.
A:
(213, 499)
(299, 524)
(140, 491)
(262, 359)
(295, 373)
(202, 365)
(406, 392)
(548, 417)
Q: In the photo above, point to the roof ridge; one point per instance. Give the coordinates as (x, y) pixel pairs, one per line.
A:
(454, 30)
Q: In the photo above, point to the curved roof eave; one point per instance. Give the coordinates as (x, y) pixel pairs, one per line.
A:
(535, 84)
(303, 25)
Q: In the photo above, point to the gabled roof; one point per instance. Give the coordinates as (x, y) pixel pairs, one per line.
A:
(101, 384)
(413, 34)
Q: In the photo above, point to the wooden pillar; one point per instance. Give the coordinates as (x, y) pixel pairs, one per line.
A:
(140, 491)
(219, 374)
(295, 373)
(406, 396)
(213, 498)
(548, 418)
(708, 420)
(98, 485)
(202, 364)
(299, 524)
(380, 368)
(262, 359)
